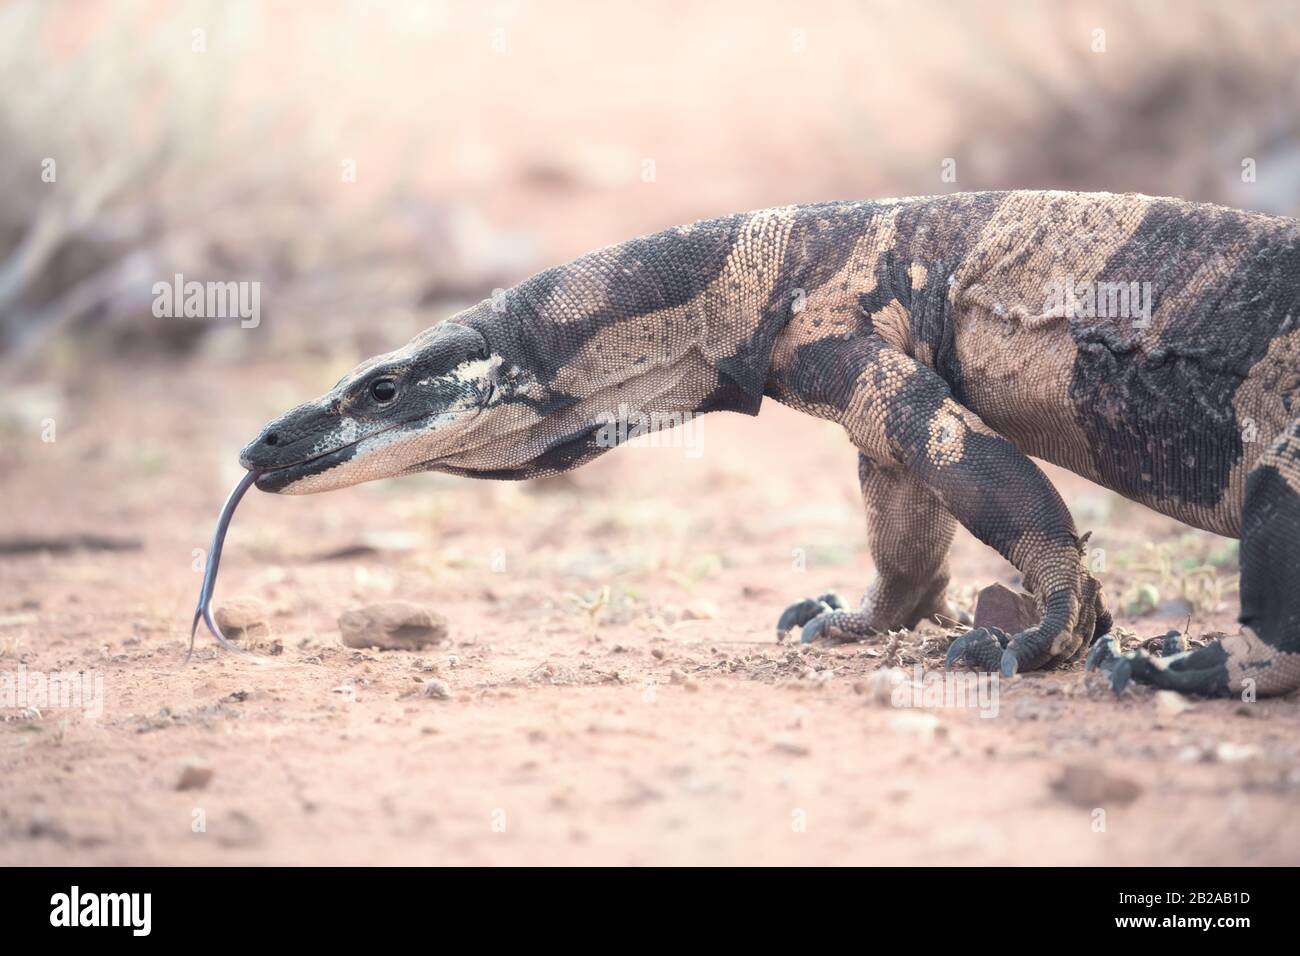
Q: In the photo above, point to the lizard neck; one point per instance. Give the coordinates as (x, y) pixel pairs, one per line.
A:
(682, 320)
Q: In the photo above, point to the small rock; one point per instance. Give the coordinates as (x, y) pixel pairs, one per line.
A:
(437, 689)
(1091, 787)
(676, 677)
(791, 748)
(1235, 753)
(922, 726)
(880, 684)
(195, 774)
(999, 606)
(1170, 703)
(701, 610)
(691, 685)
(237, 829)
(240, 620)
(392, 626)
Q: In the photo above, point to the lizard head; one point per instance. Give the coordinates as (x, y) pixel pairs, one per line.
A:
(388, 416)
(459, 398)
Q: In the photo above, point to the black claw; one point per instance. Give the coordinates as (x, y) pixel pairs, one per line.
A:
(981, 647)
(955, 650)
(799, 614)
(1121, 674)
(812, 630)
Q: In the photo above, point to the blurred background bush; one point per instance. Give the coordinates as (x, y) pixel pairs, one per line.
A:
(375, 166)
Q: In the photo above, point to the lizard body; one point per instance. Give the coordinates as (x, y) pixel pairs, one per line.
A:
(1150, 345)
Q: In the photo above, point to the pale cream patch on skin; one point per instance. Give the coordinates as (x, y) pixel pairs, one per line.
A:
(473, 371)
(348, 431)
(918, 274)
(1064, 643)
(947, 442)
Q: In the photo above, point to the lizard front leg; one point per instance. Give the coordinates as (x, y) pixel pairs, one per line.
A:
(909, 532)
(896, 408)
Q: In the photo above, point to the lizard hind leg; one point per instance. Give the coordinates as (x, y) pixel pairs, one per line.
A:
(1264, 658)
(909, 532)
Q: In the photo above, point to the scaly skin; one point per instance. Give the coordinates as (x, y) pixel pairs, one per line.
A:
(925, 328)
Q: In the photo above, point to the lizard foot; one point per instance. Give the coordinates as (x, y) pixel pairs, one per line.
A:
(825, 618)
(990, 649)
(1202, 671)
(800, 613)
(838, 627)
(981, 648)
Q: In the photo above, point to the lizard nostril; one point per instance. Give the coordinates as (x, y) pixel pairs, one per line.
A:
(272, 439)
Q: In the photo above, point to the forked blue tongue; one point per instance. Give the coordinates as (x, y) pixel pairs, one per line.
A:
(204, 610)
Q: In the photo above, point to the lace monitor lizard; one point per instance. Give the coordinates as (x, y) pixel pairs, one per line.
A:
(1150, 345)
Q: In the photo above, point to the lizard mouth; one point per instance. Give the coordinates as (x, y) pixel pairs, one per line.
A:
(280, 477)
(277, 479)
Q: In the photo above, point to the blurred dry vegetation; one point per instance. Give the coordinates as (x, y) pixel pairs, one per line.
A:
(210, 139)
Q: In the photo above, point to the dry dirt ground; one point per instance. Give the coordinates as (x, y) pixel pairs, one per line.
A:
(617, 692)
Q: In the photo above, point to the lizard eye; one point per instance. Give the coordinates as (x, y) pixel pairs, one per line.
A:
(383, 390)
